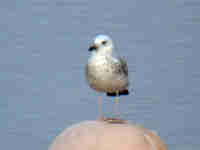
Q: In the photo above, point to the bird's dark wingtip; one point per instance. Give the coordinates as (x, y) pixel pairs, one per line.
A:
(124, 92)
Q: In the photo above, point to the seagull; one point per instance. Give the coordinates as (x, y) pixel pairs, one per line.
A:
(106, 71)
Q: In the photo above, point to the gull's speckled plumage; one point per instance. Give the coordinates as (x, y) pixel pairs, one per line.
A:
(106, 71)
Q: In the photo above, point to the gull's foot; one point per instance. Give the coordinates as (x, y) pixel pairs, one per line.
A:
(101, 118)
(115, 120)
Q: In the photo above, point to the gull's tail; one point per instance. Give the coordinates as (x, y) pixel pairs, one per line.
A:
(124, 92)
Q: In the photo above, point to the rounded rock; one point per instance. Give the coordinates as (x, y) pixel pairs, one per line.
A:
(107, 135)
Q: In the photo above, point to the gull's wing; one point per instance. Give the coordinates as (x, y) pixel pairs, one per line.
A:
(120, 66)
(123, 66)
(121, 69)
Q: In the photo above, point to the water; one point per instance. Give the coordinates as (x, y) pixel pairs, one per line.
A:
(43, 47)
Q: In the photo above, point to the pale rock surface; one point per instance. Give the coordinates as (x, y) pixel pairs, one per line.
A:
(104, 135)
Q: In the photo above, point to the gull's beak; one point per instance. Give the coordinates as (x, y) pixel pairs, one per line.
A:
(92, 47)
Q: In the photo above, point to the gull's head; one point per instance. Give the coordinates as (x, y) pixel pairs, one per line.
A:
(101, 44)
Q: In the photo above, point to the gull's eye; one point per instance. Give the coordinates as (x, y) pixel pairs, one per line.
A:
(104, 42)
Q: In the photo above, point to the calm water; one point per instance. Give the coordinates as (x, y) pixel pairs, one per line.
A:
(43, 47)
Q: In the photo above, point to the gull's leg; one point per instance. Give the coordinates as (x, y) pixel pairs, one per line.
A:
(116, 106)
(101, 116)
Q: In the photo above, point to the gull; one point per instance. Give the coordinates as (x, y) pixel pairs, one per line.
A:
(106, 71)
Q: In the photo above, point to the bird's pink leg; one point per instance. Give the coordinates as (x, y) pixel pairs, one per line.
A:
(116, 106)
(101, 116)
